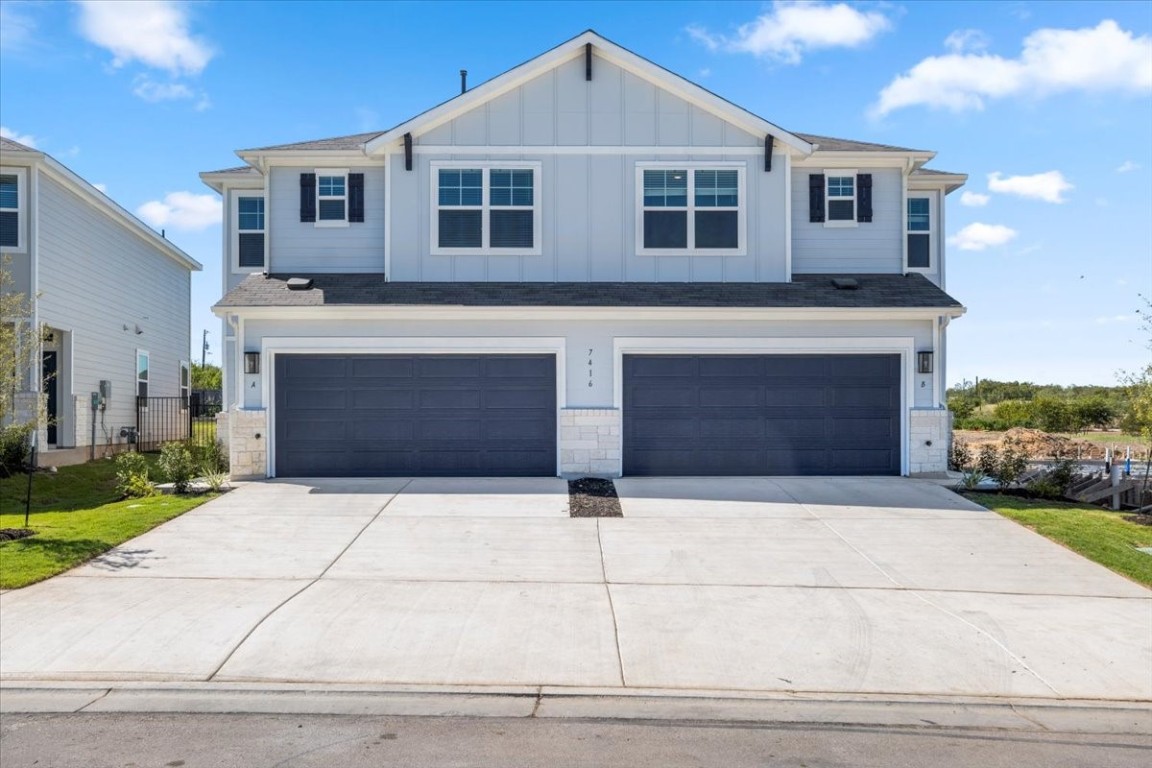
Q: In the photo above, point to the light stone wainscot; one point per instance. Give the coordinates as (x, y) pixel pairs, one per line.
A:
(590, 442)
(247, 430)
(930, 440)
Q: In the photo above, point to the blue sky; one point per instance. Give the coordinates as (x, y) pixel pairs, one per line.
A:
(1046, 106)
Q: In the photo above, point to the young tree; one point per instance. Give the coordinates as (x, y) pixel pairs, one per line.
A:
(205, 376)
(1136, 418)
(21, 411)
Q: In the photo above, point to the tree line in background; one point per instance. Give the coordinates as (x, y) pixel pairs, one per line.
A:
(1000, 405)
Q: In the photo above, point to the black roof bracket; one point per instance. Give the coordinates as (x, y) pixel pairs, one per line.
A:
(769, 140)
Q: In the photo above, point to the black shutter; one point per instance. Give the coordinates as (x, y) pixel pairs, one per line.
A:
(864, 197)
(355, 197)
(816, 197)
(307, 197)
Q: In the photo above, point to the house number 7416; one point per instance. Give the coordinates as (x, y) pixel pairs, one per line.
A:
(589, 367)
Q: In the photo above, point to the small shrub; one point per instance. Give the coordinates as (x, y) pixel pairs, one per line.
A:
(959, 456)
(132, 476)
(988, 460)
(178, 466)
(14, 450)
(1053, 483)
(1010, 466)
(213, 457)
(972, 478)
(214, 478)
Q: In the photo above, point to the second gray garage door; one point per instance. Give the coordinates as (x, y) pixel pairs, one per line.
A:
(761, 414)
(415, 415)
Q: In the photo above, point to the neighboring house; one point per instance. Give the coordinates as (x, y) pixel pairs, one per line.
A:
(587, 264)
(112, 296)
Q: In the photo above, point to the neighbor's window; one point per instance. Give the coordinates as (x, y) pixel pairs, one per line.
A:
(185, 383)
(10, 194)
(141, 373)
(249, 242)
(690, 209)
(486, 209)
(919, 233)
(841, 198)
(331, 196)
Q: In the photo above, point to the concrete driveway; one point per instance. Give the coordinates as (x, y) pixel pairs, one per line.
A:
(890, 586)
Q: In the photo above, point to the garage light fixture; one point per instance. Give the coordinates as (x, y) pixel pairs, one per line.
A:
(924, 362)
(251, 362)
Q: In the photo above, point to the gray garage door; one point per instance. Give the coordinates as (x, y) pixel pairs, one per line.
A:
(762, 414)
(418, 415)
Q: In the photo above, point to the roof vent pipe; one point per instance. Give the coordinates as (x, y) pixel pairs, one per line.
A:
(463, 81)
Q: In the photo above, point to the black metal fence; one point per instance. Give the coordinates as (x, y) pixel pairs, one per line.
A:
(162, 420)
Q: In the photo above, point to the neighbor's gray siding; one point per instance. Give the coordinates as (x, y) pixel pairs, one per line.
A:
(877, 246)
(297, 246)
(96, 277)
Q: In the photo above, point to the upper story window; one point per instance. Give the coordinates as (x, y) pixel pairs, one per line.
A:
(919, 232)
(686, 208)
(332, 197)
(486, 209)
(840, 198)
(11, 207)
(248, 243)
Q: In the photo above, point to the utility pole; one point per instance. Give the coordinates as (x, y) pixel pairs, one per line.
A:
(204, 349)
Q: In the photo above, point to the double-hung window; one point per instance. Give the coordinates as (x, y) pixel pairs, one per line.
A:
(841, 197)
(685, 209)
(11, 207)
(489, 209)
(141, 373)
(331, 196)
(919, 232)
(249, 241)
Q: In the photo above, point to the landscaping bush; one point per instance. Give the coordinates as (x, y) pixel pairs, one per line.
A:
(987, 460)
(178, 466)
(959, 456)
(132, 480)
(14, 450)
(212, 457)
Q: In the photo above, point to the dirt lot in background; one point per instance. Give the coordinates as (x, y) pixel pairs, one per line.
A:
(1043, 445)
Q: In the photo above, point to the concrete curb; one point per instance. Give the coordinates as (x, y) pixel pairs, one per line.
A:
(1015, 714)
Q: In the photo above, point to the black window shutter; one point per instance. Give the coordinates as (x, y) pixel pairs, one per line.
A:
(307, 197)
(355, 197)
(816, 197)
(864, 197)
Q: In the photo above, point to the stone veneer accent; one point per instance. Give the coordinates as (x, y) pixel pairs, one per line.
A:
(590, 442)
(247, 443)
(929, 425)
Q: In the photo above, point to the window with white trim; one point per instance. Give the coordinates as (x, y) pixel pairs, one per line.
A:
(331, 196)
(141, 373)
(841, 195)
(11, 207)
(185, 383)
(919, 232)
(685, 208)
(248, 243)
(489, 209)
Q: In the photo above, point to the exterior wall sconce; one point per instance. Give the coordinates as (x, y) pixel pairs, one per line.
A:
(924, 362)
(252, 362)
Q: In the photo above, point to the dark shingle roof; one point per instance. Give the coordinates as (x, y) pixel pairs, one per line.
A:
(244, 169)
(830, 144)
(934, 172)
(355, 141)
(879, 291)
(13, 146)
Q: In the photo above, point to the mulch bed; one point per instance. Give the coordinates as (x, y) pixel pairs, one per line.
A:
(1141, 519)
(11, 534)
(593, 497)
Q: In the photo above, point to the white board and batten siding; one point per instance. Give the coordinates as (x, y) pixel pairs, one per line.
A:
(95, 276)
(588, 198)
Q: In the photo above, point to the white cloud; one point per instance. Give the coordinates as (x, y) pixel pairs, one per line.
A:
(1114, 319)
(790, 29)
(1127, 167)
(966, 40)
(979, 237)
(1049, 187)
(1102, 58)
(182, 210)
(150, 90)
(26, 139)
(16, 26)
(973, 199)
(152, 32)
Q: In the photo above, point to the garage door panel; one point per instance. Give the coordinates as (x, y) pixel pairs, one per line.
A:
(799, 415)
(400, 415)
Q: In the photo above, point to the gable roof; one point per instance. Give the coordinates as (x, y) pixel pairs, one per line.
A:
(831, 144)
(568, 50)
(806, 291)
(8, 145)
(337, 143)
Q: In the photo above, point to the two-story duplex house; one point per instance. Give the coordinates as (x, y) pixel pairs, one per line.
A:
(111, 296)
(587, 264)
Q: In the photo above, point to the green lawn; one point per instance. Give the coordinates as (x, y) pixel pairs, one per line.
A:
(1095, 533)
(76, 516)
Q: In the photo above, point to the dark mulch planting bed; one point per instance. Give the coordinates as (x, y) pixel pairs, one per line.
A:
(593, 497)
(11, 534)
(1141, 519)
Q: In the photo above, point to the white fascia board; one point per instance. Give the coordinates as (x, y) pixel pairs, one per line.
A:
(101, 202)
(220, 181)
(309, 158)
(427, 312)
(609, 51)
(946, 182)
(900, 160)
